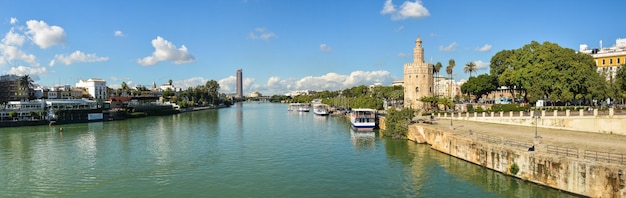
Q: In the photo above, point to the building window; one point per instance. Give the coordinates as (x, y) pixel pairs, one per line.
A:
(602, 61)
(617, 60)
(610, 61)
(417, 89)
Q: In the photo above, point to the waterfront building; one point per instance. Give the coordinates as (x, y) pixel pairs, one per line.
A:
(23, 109)
(607, 59)
(11, 89)
(97, 88)
(239, 87)
(255, 94)
(418, 78)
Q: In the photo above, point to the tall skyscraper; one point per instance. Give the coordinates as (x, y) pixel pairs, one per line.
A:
(239, 92)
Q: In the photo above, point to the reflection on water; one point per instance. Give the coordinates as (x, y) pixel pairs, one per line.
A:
(218, 153)
(363, 139)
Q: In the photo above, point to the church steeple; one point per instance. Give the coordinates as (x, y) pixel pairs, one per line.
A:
(418, 51)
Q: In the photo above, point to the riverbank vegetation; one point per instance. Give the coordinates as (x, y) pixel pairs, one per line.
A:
(397, 122)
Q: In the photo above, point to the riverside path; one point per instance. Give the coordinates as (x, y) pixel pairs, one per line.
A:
(583, 141)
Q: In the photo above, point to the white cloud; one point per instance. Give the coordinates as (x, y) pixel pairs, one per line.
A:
(228, 85)
(408, 9)
(166, 51)
(10, 53)
(480, 65)
(22, 70)
(276, 85)
(261, 34)
(12, 38)
(13, 20)
(44, 35)
(118, 33)
(325, 47)
(449, 48)
(330, 81)
(78, 56)
(484, 48)
(388, 8)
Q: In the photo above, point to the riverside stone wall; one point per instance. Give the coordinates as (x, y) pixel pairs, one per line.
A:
(578, 176)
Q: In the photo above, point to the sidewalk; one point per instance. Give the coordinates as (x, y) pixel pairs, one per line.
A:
(589, 141)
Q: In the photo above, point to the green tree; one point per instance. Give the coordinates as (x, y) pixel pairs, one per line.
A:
(213, 89)
(12, 115)
(480, 85)
(470, 67)
(26, 85)
(620, 81)
(32, 115)
(499, 63)
(449, 70)
(550, 71)
(397, 122)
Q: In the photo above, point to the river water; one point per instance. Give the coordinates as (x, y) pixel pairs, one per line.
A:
(247, 150)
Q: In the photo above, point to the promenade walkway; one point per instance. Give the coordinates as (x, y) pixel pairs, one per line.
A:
(584, 142)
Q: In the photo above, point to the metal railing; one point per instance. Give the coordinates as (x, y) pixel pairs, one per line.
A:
(605, 156)
(559, 150)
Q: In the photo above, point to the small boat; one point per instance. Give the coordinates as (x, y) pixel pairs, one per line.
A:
(299, 107)
(363, 119)
(321, 109)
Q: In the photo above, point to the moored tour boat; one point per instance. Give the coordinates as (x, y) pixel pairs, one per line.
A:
(299, 107)
(321, 109)
(363, 119)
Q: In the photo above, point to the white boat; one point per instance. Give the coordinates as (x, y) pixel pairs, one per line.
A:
(363, 119)
(299, 107)
(321, 109)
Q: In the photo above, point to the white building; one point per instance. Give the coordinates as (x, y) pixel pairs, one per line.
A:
(608, 59)
(96, 87)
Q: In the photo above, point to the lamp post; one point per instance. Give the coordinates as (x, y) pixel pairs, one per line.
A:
(537, 116)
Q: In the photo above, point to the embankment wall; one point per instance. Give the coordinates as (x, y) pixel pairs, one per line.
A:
(574, 175)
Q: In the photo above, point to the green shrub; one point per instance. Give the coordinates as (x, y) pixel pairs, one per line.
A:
(470, 108)
(514, 168)
(508, 107)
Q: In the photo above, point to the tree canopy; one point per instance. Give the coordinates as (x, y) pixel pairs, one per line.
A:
(546, 70)
(480, 85)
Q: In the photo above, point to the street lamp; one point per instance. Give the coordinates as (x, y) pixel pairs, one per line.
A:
(536, 116)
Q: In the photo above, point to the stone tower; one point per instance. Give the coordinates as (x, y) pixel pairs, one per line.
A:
(418, 78)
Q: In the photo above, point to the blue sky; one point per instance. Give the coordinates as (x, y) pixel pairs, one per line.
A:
(281, 45)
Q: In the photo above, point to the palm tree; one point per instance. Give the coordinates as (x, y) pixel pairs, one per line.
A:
(436, 70)
(470, 67)
(26, 83)
(449, 70)
(125, 88)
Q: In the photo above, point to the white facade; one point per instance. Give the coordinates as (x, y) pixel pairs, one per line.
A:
(96, 87)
